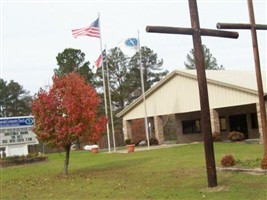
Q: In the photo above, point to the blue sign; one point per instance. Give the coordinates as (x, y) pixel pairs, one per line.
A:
(20, 121)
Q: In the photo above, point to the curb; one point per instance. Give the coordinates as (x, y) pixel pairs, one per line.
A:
(256, 170)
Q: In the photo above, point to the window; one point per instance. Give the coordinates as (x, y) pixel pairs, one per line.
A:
(222, 124)
(14, 133)
(19, 136)
(254, 120)
(191, 126)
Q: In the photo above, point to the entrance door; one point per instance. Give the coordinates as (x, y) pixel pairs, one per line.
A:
(239, 123)
(2, 152)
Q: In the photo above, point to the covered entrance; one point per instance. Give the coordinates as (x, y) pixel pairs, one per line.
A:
(239, 123)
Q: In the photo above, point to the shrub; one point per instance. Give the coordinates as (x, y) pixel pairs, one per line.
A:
(22, 160)
(32, 155)
(128, 141)
(236, 136)
(153, 141)
(228, 161)
(264, 162)
(216, 137)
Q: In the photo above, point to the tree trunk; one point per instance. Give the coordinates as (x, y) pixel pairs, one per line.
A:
(78, 144)
(67, 158)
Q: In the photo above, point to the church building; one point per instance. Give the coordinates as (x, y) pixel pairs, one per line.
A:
(233, 101)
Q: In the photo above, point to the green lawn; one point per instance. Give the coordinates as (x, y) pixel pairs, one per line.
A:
(172, 173)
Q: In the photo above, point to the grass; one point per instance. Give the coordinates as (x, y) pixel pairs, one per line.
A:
(249, 163)
(173, 173)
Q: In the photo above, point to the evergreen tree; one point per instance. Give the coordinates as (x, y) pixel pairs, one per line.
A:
(119, 75)
(152, 72)
(14, 101)
(124, 75)
(73, 60)
(210, 61)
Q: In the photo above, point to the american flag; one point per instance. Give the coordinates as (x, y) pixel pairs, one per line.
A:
(91, 31)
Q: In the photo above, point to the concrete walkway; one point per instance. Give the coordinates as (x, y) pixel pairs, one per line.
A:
(145, 148)
(235, 169)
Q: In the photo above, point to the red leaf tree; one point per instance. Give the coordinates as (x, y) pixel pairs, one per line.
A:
(67, 112)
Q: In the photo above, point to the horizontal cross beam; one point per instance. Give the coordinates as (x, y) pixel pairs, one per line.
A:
(190, 31)
(240, 26)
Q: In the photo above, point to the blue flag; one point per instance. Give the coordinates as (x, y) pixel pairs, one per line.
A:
(129, 46)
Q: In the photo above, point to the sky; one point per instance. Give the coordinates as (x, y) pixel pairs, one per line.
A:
(34, 32)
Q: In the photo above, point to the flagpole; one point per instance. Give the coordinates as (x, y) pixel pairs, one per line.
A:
(110, 104)
(143, 89)
(104, 85)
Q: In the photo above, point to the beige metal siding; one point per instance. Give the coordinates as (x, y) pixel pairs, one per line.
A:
(180, 94)
(223, 96)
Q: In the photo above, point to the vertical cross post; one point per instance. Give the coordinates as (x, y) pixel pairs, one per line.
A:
(258, 75)
(197, 32)
(252, 26)
(203, 92)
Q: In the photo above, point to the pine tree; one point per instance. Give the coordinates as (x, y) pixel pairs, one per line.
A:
(73, 60)
(14, 101)
(152, 70)
(210, 61)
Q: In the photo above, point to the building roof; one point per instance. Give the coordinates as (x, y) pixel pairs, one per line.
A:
(242, 78)
(238, 80)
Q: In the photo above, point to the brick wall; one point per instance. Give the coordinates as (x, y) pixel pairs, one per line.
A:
(186, 138)
(237, 110)
(215, 115)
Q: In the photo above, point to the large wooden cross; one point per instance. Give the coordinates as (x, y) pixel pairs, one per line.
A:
(252, 26)
(197, 32)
